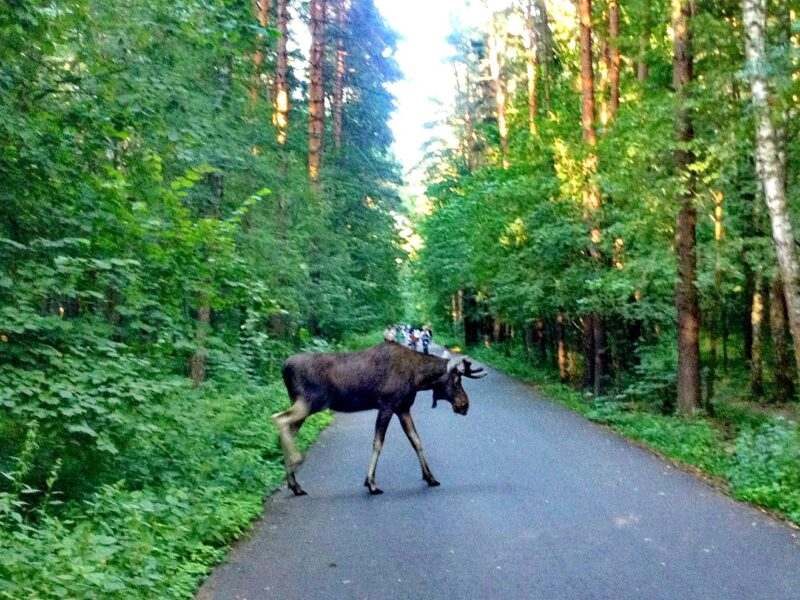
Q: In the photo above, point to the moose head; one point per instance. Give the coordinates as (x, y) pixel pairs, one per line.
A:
(449, 388)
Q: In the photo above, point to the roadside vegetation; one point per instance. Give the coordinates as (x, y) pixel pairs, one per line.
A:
(613, 217)
(171, 229)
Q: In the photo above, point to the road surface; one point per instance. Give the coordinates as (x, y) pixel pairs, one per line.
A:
(535, 503)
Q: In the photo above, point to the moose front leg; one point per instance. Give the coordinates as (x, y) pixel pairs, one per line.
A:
(411, 432)
(381, 424)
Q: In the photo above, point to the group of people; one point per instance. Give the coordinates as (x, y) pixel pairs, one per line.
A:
(416, 338)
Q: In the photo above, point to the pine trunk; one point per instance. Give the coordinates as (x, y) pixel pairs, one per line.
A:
(686, 300)
(281, 113)
(770, 166)
(316, 106)
(613, 58)
(261, 9)
(591, 195)
(496, 55)
(545, 39)
(532, 59)
(338, 86)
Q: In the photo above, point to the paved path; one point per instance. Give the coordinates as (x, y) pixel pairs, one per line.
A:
(535, 503)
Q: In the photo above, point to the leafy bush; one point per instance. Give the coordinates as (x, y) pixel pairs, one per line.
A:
(190, 488)
(654, 378)
(766, 467)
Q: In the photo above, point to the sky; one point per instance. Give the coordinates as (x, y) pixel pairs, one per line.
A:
(428, 88)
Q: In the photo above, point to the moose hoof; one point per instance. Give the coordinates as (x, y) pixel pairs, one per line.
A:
(373, 489)
(298, 491)
(432, 482)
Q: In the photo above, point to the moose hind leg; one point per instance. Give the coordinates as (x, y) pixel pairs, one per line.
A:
(411, 433)
(288, 422)
(381, 424)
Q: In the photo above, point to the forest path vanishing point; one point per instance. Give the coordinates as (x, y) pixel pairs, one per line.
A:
(535, 502)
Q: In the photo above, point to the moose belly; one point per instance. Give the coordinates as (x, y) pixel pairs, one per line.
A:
(354, 403)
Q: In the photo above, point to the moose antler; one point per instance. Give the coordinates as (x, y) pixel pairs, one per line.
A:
(471, 373)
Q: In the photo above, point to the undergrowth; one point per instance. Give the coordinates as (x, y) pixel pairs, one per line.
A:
(757, 457)
(152, 520)
(188, 492)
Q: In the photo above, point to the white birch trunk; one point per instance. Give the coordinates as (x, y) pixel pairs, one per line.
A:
(769, 165)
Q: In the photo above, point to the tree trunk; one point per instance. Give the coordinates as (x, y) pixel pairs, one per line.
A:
(197, 363)
(261, 9)
(686, 300)
(769, 165)
(316, 106)
(338, 87)
(472, 325)
(591, 196)
(757, 350)
(588, 352)
(717, 316)
(532, 59)
(587, 72)
(642, 68)
(563, 366)
(747, 329)
(601, 356)
(496, 59)
(544, 38)
(613, 58)
(784, 383)
(281, 113)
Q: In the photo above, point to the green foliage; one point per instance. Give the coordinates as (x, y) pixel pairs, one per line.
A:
(514, 239)
(192, 485)
(766, 467)
(152, 227)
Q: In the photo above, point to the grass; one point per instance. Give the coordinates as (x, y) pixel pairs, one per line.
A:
(754, 455)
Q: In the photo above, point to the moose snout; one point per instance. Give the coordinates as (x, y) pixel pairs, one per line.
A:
(461, 410)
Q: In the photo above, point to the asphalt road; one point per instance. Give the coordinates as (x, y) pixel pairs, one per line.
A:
(535, 503)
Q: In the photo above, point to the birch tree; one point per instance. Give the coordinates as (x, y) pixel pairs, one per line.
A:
(769, 165)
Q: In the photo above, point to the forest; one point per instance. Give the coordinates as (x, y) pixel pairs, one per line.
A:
(192, 191)
(178, 213)
(615, 212)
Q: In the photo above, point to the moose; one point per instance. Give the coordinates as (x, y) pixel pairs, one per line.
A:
(385, 377)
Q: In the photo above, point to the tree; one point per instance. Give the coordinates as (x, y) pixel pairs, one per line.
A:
(281, 109)
(316, 101)
(592, 200)
(261, 9)
(532, 51)
(770, 166)
(686, 299)
(613, 57)
(339, 72)
(496, 44)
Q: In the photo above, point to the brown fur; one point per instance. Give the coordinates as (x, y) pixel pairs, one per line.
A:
(385, 378)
